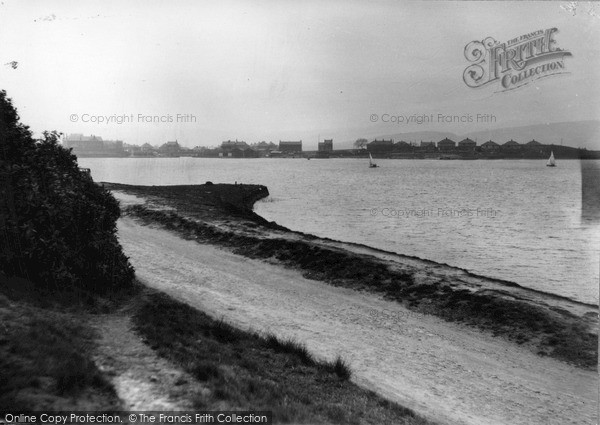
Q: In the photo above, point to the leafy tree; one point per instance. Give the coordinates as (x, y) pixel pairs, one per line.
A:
(57, 227)
(360, 143)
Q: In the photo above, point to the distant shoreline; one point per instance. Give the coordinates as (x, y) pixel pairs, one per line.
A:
(589, 155)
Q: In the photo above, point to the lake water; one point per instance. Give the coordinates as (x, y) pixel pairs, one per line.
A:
(516, 220)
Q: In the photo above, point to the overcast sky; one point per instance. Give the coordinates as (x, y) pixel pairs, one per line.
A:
(276, 70)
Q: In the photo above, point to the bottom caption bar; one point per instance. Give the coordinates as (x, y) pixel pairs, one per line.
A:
(196, 417)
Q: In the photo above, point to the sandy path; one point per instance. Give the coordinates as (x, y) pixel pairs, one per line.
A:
(142, 380)
(445, 371)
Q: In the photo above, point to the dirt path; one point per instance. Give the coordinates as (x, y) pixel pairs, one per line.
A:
(143, 380)
(445, 371)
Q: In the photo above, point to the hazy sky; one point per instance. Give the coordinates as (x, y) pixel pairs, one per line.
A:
(276, 70)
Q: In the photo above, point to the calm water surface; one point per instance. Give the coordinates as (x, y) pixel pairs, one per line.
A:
(514, 220)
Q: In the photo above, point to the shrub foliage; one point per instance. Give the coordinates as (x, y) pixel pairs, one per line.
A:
(57, 227)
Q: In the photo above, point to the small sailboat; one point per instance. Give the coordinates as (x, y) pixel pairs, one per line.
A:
(371, 163)
(551, 162)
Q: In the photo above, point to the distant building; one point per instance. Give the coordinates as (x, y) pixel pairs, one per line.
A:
(446, 144)
(146, 150)
(237, 149)
(185, 151)
(511, 145)
(132, 150)
(490, 146)
(170, 149)
(534, 148)
(467, 144)
(204, 152)
(228, 145)
(79, 141)
(402, 146)
(93, 145)
(427, 146)
(533, 144)
(263, 148)
(147, 147)
(380, 146)
(326, 145)
(290, 147)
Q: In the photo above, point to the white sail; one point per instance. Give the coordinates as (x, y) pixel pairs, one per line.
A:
(551, 162)
(371, 163)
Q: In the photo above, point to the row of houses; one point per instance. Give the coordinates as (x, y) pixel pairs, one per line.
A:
(228, 149)
(465, 145)
(240, 149)
(86, 146)
(96, 146)
(168, 149)
(91, 146)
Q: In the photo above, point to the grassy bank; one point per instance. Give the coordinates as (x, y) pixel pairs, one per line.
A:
(48, 346)
(546, 331)
(46, 354)
(245, 371)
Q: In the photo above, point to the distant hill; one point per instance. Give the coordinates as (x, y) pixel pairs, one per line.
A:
(578, 134)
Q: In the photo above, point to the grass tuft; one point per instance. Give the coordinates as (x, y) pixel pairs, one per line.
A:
(341, 368)
(290, 346)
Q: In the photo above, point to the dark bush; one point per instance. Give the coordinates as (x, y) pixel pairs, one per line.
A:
(58, 228)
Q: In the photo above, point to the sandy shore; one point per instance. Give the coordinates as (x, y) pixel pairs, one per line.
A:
(221, 215)
(220, 257)
(446, 371)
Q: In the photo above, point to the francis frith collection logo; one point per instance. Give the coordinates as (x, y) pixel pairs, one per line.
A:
(516, 62)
